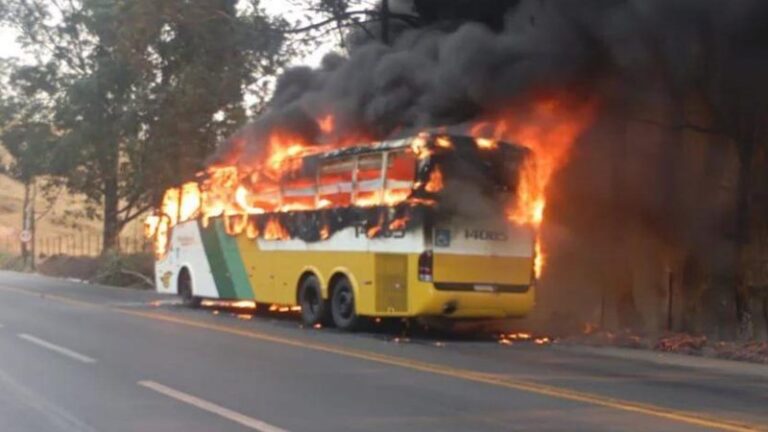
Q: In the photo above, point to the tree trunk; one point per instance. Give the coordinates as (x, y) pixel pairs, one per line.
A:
(33, 225)
(28, 217)
(765, 315)
(742, 290)
(111, 222)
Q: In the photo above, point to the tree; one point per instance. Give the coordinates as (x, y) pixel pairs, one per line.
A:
(354, 21)
(142, 90)
(26, 133)
(196, 63)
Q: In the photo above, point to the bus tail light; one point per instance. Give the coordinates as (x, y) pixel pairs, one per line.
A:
(425, 266)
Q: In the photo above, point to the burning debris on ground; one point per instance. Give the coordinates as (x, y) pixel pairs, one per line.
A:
(681, 343)
(674, 343)
(512, 338)
(228, 304)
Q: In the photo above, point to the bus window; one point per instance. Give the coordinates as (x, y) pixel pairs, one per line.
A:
(401, 170)
(369, 180)
(335, 182)
(298, 193)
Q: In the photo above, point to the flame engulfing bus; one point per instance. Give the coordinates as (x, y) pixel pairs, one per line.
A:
(419, 226)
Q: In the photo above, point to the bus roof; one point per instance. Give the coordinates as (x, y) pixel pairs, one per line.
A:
(400, 144)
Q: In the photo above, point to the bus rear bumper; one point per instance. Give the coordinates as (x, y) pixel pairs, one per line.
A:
(469, 304)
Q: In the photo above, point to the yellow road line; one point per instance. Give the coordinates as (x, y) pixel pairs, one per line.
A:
(692, 418)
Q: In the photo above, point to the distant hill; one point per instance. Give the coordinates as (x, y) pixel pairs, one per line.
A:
(62, 220)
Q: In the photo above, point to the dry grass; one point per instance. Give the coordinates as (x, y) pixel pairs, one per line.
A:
(58, 222)
(66, 217)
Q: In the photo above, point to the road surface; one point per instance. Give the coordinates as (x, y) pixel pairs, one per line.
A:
(76, 357)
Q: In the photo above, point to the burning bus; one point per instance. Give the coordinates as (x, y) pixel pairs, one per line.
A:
(419, 226)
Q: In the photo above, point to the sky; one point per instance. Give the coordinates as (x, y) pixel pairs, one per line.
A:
(8, 45)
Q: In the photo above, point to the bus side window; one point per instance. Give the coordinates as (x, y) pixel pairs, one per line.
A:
(334, 182)
(401, 167)
(401, 173)
(298, 192)
(369, 179)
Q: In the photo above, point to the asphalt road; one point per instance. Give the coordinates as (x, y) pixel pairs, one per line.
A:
(76, 357)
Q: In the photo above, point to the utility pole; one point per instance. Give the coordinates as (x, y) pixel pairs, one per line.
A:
(385, 22)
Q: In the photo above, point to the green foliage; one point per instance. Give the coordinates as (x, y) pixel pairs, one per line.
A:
(25, 128)
(123, 99)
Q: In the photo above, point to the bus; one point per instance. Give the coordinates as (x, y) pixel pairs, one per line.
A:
(411, 227)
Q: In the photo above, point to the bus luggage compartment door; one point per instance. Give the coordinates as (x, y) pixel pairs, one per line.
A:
(391, 283)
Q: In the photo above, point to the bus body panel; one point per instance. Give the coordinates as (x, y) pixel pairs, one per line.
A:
(186, 250)
(487, 252)
(383, 272)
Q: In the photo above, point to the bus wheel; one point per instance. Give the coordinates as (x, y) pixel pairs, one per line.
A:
(343, 306)
(313, 308)
(188, 299)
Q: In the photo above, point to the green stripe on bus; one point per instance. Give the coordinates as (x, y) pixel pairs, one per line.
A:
(234, 260)
(216, 260)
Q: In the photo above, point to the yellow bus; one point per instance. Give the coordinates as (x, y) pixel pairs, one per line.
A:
(412, 227)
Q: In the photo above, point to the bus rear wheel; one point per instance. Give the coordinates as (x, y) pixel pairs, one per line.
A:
(313, 307)
(343, 308)
(188, 298)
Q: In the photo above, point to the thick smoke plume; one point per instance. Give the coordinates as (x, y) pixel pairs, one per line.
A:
(644, 203)
(427, 77)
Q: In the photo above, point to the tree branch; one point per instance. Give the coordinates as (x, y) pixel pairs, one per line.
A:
(408, 19)
(45, 212)
(131, 216)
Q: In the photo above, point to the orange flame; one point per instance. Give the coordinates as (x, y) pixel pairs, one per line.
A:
(539, 258)
(435, 183)
(252, 230)
(190, 201)
(419, 146)
(548, 127)
(326, 123)
(275, 231)
(235, 224)
(444, 142)
(398, 224)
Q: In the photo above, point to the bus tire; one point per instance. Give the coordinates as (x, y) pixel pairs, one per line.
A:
(185, 291)
(343, 310)
(313, 307)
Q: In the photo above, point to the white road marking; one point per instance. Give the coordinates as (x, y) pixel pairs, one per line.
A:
(228, 414)
(56, 348)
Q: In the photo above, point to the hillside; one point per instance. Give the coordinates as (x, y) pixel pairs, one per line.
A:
(64, 220)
